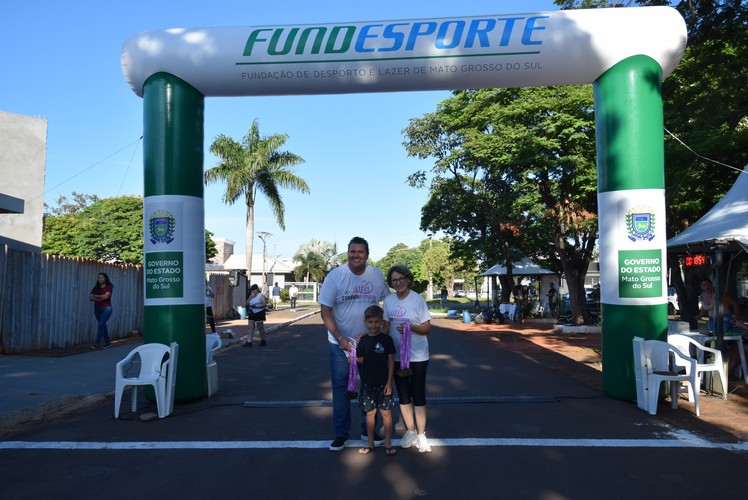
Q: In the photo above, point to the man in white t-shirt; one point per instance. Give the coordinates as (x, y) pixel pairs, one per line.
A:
(345, 294)
(293, 294)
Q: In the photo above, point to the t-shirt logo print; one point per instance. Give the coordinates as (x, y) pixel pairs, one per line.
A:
(398, 312)
(362, 291)
(379, 348)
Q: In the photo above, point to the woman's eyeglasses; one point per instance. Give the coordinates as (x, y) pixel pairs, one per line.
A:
(396, 281)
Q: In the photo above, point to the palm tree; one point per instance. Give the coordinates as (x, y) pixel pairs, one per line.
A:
(311, 265)
(328, 251)
(255, 164)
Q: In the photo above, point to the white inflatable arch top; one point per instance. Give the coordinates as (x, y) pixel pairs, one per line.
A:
(514, 50)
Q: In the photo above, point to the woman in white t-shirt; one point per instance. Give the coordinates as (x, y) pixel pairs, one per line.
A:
(406, 306)
(256, 315)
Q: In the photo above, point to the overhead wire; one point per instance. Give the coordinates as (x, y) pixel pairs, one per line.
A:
(90, 167)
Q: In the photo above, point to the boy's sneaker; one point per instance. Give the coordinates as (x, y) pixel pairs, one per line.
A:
(423, 444)
(378, 440)
(95, 347)
(409, 439)
(338, 444)
(107, 346)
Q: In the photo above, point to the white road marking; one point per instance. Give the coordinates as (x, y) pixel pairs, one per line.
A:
(688, 442)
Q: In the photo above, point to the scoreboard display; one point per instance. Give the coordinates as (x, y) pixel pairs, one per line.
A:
(695, 260)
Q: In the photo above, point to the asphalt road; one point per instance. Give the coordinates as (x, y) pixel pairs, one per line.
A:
(501, 426)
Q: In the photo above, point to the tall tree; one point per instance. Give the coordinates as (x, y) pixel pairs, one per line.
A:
(210, 246)
(409, 257)
(705, 112)
(109, 230)
(311, 266)
(74, 206)
(328, 251)
(256, 164)
(515, 174)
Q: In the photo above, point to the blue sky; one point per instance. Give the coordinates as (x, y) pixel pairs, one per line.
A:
(61, 61)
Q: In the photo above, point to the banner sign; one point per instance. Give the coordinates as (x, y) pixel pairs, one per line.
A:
(168, 223)
(517, 50)
(635, 222)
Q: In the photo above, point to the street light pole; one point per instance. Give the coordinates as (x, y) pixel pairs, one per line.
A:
(263, 235)
(431, 282)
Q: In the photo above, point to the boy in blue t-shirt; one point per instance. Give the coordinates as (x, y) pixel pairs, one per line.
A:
(376, 352)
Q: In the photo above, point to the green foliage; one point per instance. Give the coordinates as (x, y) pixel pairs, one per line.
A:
(706, 107)
(514, 175)
(210, 246)
(408, 257)
(311, 266)
(109, 230)
(438, 263)
(74, 206)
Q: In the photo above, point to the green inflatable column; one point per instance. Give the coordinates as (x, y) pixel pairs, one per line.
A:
(174, 226)
(631, 208)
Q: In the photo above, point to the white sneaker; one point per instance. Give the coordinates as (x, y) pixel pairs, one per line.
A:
(423, 444)
(408, 439)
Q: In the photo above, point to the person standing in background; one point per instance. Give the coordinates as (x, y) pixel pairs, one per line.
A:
(209, 294)
(256, 305)
(276, 296)
(101, 296)
(293, 294)
(551, 294)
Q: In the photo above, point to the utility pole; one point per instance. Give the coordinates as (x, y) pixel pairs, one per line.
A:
(431, 282)
(263, 235)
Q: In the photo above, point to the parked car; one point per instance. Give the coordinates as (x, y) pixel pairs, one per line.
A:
(460, 293)
(672, 301)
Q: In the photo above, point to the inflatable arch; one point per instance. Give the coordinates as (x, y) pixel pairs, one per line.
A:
(624, 52)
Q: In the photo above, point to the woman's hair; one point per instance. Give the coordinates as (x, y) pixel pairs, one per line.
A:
(399, 268)
(254, 287)
(106, 279)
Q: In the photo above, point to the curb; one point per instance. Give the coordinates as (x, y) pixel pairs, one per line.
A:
(49, 410)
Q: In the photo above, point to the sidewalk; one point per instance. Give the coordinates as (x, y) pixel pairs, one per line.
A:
(37, 386)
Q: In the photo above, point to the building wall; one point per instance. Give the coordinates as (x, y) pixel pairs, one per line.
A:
(225, 249)
(23, 157)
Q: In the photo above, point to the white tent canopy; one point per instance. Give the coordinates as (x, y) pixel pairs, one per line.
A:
(525, 267)
(726, 222)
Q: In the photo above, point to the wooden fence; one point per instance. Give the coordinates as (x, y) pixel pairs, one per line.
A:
(227, 297)
(44, 300)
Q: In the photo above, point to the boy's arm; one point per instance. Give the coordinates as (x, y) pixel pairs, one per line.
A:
(390, 374)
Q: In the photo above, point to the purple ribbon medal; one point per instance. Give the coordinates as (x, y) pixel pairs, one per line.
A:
(352, 371)
(404, 370)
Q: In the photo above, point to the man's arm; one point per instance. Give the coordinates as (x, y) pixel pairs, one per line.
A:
(328, 319)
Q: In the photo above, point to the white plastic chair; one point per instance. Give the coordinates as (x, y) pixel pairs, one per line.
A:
(154, 371)
(653, 358)
(684, 344)
(212, 344)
